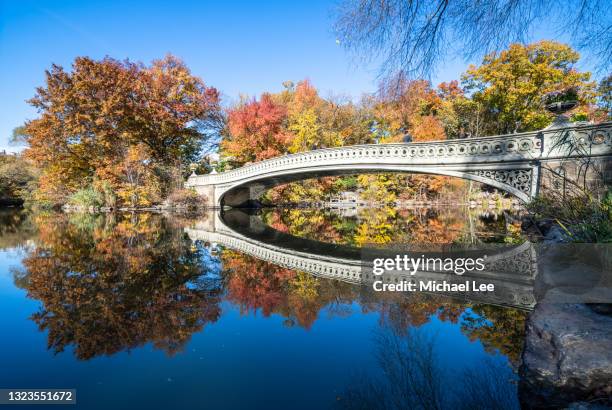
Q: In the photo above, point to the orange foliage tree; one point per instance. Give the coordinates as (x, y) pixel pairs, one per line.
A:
(294, 120)
(91, 117)
(408, 106)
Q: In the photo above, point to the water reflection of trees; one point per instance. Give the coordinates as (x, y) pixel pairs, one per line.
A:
(390, 225)
(411, 376)
(16, 229)
(256, 285)
(116, 283)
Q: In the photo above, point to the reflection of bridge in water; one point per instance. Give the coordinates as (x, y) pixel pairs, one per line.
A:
(511, 270)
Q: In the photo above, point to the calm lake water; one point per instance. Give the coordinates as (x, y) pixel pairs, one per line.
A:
(132, 312)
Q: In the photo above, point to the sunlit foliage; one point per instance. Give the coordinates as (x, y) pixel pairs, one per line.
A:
(17, 178)
(108, 119)
(510, 85)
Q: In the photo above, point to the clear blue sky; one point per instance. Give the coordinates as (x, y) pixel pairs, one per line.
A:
(238, 47)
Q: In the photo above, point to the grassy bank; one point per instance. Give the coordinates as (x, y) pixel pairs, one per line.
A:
(582, 217)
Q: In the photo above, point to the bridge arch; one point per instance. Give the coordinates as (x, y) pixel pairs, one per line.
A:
(515, 181)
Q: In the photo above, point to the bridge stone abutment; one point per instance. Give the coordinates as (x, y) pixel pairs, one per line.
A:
(594, 174)
(520, 164)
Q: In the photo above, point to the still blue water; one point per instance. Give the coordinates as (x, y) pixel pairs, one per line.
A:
(246, 358)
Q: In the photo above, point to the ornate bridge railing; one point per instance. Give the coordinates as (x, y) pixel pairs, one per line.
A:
(509, 162)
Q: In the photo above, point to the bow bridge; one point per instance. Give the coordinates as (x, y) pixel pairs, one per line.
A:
(513, 163)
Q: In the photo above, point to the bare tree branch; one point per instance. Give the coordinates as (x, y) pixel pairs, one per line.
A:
(414, 36)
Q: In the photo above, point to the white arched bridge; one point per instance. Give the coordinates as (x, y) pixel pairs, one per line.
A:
(513, 163)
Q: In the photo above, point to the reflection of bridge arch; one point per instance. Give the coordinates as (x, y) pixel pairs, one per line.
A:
(511, 163)
(512, 271)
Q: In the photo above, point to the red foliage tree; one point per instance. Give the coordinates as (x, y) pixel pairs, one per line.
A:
(256, 131)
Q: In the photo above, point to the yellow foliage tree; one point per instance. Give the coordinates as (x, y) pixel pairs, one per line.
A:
(510, 84)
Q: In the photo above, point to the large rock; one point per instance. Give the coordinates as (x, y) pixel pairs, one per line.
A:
(567, 357)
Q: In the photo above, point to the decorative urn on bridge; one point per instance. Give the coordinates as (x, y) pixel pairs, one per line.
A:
(192, 167)
(560, 102)
(213, 162)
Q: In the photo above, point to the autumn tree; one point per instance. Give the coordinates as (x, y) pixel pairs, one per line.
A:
(405, 107)
(318, 122)
(256, 131)
(17, 176)
(351, 122)
(92, 116)
(298, 119)
(304, 120)
(460, 116)
(139, 186)
(295, 120)
(604, 91)
(510, 85)
(408, 107)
